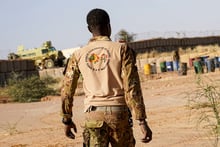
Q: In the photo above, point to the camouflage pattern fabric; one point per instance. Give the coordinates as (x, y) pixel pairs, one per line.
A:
(104, 128)
(133, 93)
(71, 77)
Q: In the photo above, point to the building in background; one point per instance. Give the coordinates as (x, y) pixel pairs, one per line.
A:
(68, 52)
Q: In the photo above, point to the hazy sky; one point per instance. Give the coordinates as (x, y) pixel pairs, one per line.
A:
(32, 22)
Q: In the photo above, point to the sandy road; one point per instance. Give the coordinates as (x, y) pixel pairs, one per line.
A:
(39, 124)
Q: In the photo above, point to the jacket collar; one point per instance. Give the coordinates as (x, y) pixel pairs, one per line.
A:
(100, 38)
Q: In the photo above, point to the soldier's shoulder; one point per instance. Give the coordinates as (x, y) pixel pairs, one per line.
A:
(120, 44)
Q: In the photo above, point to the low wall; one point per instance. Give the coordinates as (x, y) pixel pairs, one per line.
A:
(54, 72)
(18, 68)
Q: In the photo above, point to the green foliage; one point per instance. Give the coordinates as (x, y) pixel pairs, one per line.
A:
(49, 80)
(3, 92)
(205, 101)
(125, 36)
(30, 89)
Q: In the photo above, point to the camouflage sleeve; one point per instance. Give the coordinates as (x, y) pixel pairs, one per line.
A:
(132, 87)
(69, 86)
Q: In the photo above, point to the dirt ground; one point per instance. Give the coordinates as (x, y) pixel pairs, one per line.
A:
(39, 124)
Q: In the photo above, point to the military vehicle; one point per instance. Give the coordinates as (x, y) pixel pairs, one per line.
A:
(45, 56)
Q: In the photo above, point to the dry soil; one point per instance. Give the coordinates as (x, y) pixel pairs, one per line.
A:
(165, 95)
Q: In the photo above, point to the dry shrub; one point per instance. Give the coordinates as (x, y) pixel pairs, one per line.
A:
(30, 89)
(205, 103)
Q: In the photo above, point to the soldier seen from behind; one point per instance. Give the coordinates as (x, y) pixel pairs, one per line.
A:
(112, 89)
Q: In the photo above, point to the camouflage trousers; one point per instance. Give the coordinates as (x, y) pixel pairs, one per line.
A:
(108, 127)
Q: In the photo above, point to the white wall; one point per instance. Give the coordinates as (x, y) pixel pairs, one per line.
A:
(68, 52)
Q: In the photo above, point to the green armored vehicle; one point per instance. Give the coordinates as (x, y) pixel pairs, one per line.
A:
(45, 56)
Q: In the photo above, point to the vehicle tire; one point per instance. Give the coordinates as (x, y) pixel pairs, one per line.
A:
(49, 63)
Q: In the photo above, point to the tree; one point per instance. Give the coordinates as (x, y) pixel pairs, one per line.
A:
(124, 36)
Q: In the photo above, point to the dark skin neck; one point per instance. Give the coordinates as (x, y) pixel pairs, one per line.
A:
(98, 31)
(94, 34)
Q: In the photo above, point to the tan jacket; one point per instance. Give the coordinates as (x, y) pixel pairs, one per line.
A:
(100, 66)
(109, 77)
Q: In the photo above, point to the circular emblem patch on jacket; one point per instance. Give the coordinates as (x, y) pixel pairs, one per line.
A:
(98, 58)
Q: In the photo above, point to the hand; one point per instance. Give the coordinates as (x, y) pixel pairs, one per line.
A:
(145, 129)
(68, 131)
